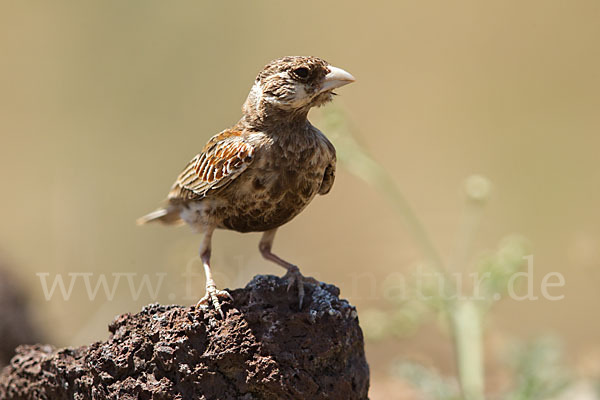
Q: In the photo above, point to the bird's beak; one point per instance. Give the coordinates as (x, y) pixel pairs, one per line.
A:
(335, 78)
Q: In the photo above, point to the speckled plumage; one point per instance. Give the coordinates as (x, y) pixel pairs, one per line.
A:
(261, 173)
(275, 180)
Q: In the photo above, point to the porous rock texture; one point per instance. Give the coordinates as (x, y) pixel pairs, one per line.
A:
(265, 348)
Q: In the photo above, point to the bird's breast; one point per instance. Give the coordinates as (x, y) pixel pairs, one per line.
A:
(274, 189)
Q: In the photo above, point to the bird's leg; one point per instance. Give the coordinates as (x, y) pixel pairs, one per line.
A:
(293, 274)
(212, 294)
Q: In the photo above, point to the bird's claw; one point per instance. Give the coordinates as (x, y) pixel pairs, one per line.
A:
(294, 276)
(212, 296)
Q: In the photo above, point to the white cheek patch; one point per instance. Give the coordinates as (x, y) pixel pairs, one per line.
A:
(257, 93)
(300, 95)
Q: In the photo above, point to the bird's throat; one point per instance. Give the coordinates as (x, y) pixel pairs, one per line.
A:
(263, 116)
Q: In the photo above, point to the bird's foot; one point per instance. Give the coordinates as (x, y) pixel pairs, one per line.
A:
(293, 276)
(212, 296)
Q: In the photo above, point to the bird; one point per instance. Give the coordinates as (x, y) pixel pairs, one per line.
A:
(259, 174)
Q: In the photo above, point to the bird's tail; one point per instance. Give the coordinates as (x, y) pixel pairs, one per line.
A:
(167, 216)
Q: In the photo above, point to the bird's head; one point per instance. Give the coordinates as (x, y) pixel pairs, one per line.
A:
(292, 85)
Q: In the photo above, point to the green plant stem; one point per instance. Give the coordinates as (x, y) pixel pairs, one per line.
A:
(469, 222)
(397, 199)
(468, 341)
(464, 317)
(370, 171)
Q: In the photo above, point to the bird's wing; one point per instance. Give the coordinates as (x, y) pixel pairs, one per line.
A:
(328, 178)
(329, 175)
(223, 159)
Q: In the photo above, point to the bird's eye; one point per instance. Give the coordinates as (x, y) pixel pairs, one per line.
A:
(301, 72)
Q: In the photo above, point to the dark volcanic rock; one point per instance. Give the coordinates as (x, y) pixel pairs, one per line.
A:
(264, 349)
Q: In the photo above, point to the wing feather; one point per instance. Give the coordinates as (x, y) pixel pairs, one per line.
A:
(223, 159)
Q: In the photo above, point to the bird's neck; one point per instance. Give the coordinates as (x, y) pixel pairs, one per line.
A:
(269, 119)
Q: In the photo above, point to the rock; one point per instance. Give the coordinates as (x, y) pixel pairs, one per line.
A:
(264, 349)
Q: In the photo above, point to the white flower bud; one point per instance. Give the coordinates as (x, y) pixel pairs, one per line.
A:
(478, 188)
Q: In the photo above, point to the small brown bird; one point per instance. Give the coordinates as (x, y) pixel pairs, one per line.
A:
(261, 173)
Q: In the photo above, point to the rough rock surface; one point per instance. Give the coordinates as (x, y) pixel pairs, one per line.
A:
(264, 349)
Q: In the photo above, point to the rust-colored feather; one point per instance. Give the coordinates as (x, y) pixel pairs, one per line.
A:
(225, 156)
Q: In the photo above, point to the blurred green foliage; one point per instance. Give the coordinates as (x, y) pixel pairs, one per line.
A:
(535, 366)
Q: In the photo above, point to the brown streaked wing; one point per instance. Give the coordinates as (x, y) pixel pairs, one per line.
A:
(328, 178)
(224, 157)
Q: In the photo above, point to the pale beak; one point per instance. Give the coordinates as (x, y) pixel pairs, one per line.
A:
(336, 78)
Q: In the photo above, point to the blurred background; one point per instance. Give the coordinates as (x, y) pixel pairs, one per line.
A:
(103, 103)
